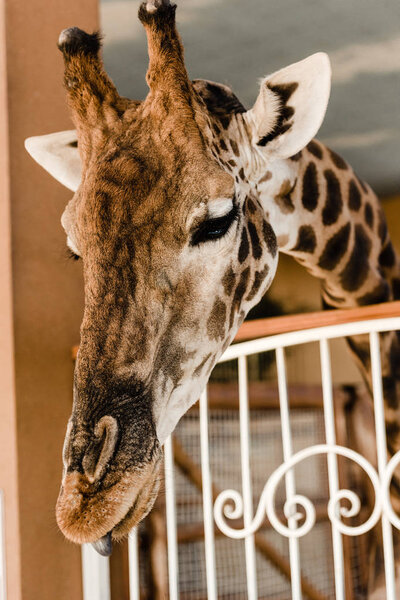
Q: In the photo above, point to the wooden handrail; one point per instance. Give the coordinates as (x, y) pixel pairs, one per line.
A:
(251, 330)
(259, 328)
(262, 395)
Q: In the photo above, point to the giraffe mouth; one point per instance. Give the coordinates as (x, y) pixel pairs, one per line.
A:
(104, 545)
(101, 515)
(138, 511)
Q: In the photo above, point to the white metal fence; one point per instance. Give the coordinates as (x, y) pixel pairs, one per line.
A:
(230, 504)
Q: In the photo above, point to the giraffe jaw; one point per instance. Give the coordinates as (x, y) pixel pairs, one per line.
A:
(87, 514)
(104, 545)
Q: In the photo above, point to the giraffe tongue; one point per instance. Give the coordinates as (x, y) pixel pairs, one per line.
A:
(104, 545)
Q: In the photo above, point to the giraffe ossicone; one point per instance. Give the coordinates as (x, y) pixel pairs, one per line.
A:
(179, 201)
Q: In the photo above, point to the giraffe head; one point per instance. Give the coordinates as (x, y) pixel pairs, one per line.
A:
(175, 252)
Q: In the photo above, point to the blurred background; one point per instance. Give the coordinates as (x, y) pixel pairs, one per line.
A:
(41, 297)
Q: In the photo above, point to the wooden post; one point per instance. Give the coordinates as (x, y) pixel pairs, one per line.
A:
(158, 552)
(40, 300)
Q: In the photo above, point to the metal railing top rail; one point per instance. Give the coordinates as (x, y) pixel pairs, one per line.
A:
(274, 325)
(303, 336)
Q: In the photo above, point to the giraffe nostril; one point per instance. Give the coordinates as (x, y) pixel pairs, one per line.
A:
(101, 449)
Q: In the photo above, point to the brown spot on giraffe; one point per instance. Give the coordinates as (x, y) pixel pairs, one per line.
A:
(310, 189)
(225, 121)
(382, 226)
(259, 279)
(335, 248)
(315, 149)
(216, 320)
(369, 215)
(240, 291)
(296, 157)
(234, 147)
(251, 206)
(266, 177)
(284, 199)
(338, 160)
(244, 247)
(356, 271)
(270, 238)
(228, 281)
(395, 284)
(334, 203)
(387, 257)
(381, 293)
(222, 145)
(200, 367)
(255, 240)
(306, 240)
(354, 196)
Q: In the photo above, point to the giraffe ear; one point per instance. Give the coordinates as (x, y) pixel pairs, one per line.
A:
(58, 154)
(291, 106)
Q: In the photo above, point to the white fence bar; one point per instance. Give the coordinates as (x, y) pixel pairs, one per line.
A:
(173, 573)
(304, 336)
(250, 551)
(294, 553)
(209, 544)
(333, 477)
(133, 562)
(381, 449)
(96, 574)
(3, 589)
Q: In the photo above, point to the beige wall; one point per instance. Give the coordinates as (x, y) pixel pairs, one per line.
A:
(8, 438)
(40, 300)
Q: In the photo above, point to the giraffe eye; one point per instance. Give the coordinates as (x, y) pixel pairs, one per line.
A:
(72, 255)
(213, 229)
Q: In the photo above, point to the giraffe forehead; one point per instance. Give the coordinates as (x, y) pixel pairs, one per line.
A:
(137, 196)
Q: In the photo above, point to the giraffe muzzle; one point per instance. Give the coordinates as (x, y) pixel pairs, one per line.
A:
(98, 513)
(110, 478)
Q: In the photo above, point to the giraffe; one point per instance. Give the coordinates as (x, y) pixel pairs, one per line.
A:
(181, 202)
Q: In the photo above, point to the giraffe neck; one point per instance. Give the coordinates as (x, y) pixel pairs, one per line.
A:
(331, 223)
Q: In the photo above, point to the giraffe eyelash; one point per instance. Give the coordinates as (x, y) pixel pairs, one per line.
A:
(214, 229)
(71, 255)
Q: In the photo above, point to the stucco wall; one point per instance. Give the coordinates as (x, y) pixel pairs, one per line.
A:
(40, 300)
